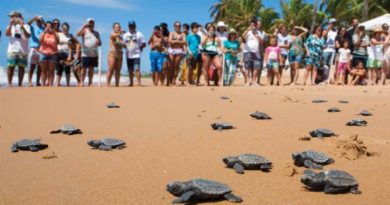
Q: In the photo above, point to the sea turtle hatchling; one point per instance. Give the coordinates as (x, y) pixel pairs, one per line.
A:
(365, 113)
(357, 122)
(68, 130)
(225, 98)
(319, 101)
(322, 132)
(311, 159)
(334, 109)
(107, 144)
(343, 101)
(33, 145)
(221, 126)
(247, 161)
(260, 116)
(113, 105)
(330, 182)
(201, 190)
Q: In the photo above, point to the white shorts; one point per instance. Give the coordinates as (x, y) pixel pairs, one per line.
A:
(176, 51)
(33, 56)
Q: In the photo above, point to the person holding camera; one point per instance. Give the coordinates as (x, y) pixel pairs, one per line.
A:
(90, 42)
(17, 51)
(33, 56)
(48, 53)
(211, 44)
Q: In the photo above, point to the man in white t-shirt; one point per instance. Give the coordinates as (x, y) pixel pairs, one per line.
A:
(135, 43)
(253, 40)
(330, 44)
(17, 51)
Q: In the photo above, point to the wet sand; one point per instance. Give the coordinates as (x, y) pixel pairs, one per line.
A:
(169, 138)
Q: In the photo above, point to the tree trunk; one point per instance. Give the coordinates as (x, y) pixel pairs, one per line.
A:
(365, 10)
(315, 8)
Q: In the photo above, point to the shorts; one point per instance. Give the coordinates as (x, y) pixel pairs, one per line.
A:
(294, 58)
(87, 62)
(356, 58)
(284, 56)
(33, 56)
(314, 61)
(252, 61)
(272, 64)
(133, 64)
(176, 51)
(211, 54)
(328, 58)
(342, 68)
(43, 57)
(17, 59)
(61, 67)
(156, 61)
(374, 63)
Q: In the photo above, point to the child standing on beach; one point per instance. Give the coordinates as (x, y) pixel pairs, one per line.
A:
(343, 63)
(272, 59)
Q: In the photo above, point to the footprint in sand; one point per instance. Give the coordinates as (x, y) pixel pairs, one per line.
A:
(353, 148)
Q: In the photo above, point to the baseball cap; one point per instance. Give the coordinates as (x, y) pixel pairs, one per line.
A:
(332, 20)
(14, 13)
(90, 19)
(132, 23)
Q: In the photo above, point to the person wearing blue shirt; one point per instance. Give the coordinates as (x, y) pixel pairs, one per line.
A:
(314, 51)
(193, 55)
(35, 30)
(231, 47)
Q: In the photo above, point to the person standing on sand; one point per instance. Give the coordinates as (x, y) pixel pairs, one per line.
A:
(375, 56)
(273, 55)
(231, 47)
(63, 48)
(35, 30)
(211, 45)
(314, 46)
(284, 42)
(156, 42)
(361, 42)
(194, 57)
(74, 57)
(18, 34)
(252, 39)
(177, 47)
(90, 43)
(296, 53)
(166, 63)
(135, 43)
(48, 59)
(330, 44)
(115, 54)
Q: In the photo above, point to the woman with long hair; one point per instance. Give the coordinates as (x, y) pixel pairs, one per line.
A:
(177, 44)
(48, 53)
(63, 47)
(211, 45)
(314, 47)
(115, 54)
(296, 53)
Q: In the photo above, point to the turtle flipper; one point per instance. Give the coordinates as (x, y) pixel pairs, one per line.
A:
(105, 147)
(14, 148)
(265, 167)
(232, 198)
(33, 148)
(185, 198)
(55, 132)
(355, 190)
(311, 165)
(329, 189)
(238, 168)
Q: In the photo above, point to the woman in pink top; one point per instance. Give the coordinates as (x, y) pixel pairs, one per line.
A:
(272, 59)
(48, 49)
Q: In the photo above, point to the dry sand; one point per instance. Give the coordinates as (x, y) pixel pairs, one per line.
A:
(168, 137)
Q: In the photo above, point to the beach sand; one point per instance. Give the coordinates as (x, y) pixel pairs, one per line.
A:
(169, 138)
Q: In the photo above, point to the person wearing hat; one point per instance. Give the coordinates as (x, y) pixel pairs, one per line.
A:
(89, 52)
(360, 42)
(330, 43)
(135, 43)
(231, 47)
(221, 31)
(375, 56)
(36, 28)
(17, 51)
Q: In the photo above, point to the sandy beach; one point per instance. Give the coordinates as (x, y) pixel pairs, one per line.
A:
(169, 138)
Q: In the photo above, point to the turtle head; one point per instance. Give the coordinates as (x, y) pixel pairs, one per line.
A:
(230, 161)
(312, 180)
(176, 188)
(94, 143)
(297, 157)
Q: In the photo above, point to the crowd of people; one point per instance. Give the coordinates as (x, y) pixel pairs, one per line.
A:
(189, 52)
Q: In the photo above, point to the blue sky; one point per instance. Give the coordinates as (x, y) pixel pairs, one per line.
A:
(147, 14)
